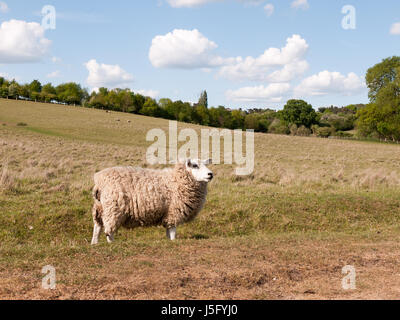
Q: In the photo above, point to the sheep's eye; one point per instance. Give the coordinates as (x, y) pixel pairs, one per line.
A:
(195, 166)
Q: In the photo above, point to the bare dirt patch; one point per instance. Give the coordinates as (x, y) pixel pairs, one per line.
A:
(245, 269)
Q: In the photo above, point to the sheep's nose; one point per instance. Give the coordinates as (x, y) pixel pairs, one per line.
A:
(210, 175)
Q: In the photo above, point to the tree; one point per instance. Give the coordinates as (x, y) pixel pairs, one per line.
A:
(381, 118)
(23, 91)
(126, 100)
(48, 93)
(34, 89)
(48, 88)
(151, 108)
(339, 121)
(252, 121)
(138, 101)
(4, 91)
(380, 75)
(114, 100)
(201, 115)
(257, 119)
(238, 119)
(70, 93)
(177, 110)
(34, 96)
(13, 89)
(220, 117)
(203, 100)
(278, 126)
(164, 102)
(35, 86)
(186, 112)
(298, 112)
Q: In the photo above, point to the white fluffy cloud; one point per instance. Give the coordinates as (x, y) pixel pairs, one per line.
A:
(269, 9)
(22, 41)
(189, 49)
(105, 75)
(185, 49)
(3, 7)
(326, 82)
(54, 74)
(395, 29)
(274, 65)
(148, 93)
(271, 93)
(300, 4)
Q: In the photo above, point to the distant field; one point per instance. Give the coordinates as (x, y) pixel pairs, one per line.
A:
(311, 207)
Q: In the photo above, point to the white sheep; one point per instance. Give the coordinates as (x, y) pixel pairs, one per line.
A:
(133, 197)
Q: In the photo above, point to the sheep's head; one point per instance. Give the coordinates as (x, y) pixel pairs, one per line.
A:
(199, 170)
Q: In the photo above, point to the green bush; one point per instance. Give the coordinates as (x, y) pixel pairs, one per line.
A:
(340, 122)
(343, 134)
(324, 132)
(293, 130)
(314, 129)
(303, 131)
(278, 127)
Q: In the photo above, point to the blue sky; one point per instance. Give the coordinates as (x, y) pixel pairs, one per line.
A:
(245, 53)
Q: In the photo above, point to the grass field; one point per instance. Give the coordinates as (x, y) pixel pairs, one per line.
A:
(311, 207)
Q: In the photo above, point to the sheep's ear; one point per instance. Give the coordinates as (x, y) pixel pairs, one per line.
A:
(189, 163)
(208, 161)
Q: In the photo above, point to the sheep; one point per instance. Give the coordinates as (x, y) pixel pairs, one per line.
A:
(133, 197)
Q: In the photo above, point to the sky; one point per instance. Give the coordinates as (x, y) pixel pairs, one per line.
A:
(245, 53)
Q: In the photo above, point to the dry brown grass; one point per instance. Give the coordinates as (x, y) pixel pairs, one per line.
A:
(7, 182)
(310, 207)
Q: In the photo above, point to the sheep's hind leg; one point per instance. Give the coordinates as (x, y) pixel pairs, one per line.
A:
(171, 233)
(96, 233)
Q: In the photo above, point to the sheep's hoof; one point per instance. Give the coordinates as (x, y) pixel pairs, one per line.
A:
(171, 234)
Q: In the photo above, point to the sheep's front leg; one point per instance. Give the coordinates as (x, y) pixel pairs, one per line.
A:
(171, 233)
(110, 237)
(96, 233)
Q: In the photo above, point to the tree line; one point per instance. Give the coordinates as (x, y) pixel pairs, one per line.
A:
(66, 93)
(380, 119)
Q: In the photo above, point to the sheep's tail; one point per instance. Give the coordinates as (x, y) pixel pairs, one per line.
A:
(97, 206)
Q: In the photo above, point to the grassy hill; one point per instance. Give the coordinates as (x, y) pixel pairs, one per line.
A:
(310, 207)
